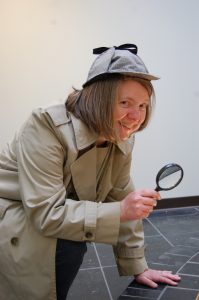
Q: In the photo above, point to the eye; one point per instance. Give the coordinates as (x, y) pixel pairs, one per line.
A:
(124, 103)
(143, 106)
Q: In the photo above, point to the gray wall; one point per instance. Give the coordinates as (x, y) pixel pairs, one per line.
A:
(46, 48)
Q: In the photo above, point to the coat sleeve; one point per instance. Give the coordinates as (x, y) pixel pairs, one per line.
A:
(129, 250)
(41, 158)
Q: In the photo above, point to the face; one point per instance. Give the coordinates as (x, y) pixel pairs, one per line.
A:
(131, 108)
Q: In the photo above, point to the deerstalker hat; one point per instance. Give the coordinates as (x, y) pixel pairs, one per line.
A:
(117, 60)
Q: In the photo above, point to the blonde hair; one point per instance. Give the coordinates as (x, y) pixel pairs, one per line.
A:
(95, 103)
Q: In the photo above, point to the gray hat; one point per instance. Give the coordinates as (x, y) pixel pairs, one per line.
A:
(117, 60)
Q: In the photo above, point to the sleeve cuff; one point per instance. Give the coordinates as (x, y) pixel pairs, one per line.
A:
(102, 222)
(131, 266)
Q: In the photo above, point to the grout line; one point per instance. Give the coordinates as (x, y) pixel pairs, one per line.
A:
(93, 268)
(135, 297)
(189, 275)
(194, 255)
(187, 246)
(109, 292)
(163, 291)
(174, 287)
(186, 262)
(182, 288)
(176, 254)
(109, 266)
(160, 233)
(168, 209)
(134, 288)
(193, 238)
(150, 236)
(160, 264)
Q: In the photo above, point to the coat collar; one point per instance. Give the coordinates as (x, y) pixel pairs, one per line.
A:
(84, 137)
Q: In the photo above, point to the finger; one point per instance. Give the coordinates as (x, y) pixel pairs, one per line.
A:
(149, 202)
(146, 211)
(173, 277)
(154, 203)
(150, 194)
(167, 281)
(169, 274)
(146, 281)
(165, 273)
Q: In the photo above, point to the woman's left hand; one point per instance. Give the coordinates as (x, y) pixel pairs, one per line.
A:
(151, 277)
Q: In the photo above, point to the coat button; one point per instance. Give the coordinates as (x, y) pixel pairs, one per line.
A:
(88, 235)
(14, 241)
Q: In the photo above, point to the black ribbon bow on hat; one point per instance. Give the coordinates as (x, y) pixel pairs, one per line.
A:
(130, 47)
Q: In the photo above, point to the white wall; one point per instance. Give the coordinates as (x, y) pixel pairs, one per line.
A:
(46, 47)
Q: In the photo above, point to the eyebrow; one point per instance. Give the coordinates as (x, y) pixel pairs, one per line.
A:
(132, 99)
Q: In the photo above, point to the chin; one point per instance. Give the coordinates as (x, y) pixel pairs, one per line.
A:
(124, 138)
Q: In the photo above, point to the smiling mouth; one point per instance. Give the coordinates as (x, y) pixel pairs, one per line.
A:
(125, 126)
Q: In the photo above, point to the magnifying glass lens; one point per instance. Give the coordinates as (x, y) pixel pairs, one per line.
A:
(169, 177)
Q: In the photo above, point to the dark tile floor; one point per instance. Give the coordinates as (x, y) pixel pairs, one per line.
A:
(172, 238)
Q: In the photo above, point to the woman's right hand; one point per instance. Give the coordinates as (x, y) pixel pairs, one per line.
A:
(138, 204)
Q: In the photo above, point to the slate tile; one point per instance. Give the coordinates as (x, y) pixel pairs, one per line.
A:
(190, 268)
(149, 230)
(117, 284)
(176, 293)
(172, 212)
(158, 266)
(185, 239)
(89, 285)
(138, 291)
(170, 259)
(189, 282)
(180, 229)
(195, 258)
(105, 253)
(183, 250)
(155, 246)
(90, 258)
(144, 293)
(136, 285)
(176, 225)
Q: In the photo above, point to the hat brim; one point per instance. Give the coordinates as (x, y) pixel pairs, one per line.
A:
(104, 76)
(142, 75)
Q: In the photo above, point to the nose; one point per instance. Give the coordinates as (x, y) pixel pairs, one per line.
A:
(134, 114)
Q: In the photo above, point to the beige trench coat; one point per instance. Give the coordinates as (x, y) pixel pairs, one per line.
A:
(50, 150)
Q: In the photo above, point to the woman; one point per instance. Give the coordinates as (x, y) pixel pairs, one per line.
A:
(65, 180)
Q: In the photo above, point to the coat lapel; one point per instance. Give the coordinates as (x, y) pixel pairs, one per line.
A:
(83, 169)
(104, 184)
(83, 172)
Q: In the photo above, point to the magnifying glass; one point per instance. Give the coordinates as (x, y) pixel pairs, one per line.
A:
(169, 177)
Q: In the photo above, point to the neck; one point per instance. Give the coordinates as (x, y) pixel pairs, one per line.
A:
(101, 142)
